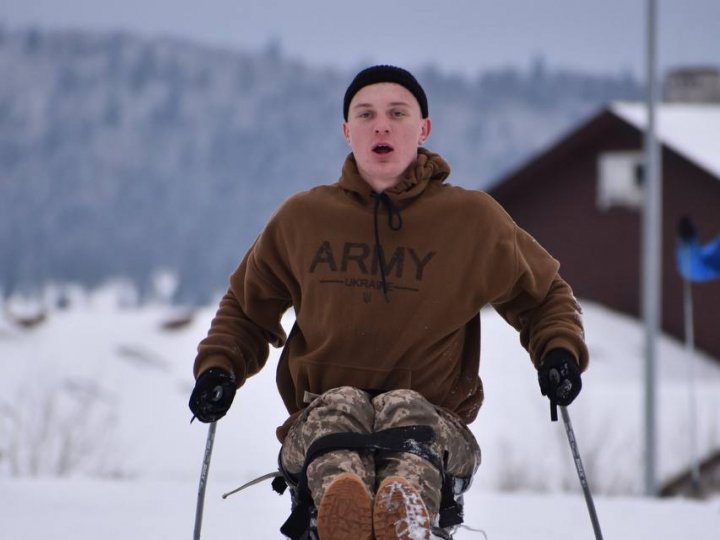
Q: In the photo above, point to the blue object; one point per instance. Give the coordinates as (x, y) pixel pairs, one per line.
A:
(699, 263)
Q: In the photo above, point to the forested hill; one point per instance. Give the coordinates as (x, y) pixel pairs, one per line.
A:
(121, 155)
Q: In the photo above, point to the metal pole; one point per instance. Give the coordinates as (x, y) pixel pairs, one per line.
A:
(651, 267)
(581, 472)
(690, 349)
(203, 480)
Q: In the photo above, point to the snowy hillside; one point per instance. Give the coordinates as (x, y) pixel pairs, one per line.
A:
(190, 145)
(98, 395)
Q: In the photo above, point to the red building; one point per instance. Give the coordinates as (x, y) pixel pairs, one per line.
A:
(582, 199)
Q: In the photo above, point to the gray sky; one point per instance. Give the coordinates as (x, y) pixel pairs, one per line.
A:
(458, 35)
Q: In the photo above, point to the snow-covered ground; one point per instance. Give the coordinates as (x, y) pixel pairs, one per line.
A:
(99, 393)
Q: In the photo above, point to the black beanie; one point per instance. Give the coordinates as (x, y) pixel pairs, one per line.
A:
(381, 74)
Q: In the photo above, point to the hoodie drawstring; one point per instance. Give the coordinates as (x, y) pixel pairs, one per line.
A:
(395, 224)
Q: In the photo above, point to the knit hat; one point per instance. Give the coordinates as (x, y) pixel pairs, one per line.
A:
(384, 73)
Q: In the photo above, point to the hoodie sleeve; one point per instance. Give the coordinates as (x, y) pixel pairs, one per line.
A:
(539, 303)
(249, 314)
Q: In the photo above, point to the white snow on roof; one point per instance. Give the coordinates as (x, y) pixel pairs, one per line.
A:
(692, 130)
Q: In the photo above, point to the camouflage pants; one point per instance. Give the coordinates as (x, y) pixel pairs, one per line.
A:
(347, 409)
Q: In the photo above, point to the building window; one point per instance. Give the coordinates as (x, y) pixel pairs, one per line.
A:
(620, 180)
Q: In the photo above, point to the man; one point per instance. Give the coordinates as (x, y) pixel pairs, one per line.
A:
(387, 270)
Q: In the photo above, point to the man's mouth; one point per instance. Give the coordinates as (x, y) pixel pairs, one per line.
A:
(382, 149)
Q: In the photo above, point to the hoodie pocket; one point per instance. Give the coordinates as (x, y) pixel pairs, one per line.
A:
(319, 377)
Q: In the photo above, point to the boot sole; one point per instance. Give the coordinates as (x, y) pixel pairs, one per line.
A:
(345, 512)
(399, 512)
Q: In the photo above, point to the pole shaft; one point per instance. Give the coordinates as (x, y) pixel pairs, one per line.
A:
(690, 350)
(652, 257)
(203, 480)
(581, 472)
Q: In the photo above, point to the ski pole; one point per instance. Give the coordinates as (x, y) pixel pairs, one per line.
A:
(215, 396)
(581, 472)
(203, 480)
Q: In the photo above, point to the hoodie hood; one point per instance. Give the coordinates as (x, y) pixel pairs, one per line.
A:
(428, 167)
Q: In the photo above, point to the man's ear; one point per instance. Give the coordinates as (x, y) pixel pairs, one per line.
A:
(425, 131)
(346, 132)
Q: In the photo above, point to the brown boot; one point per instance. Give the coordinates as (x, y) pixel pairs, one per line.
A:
(400, 513)
(345, 511)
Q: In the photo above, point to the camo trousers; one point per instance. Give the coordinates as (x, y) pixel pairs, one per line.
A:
(348, 409)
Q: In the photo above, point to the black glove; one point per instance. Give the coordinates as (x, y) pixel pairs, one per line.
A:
(559, 377)
(213, 394)
(686, 230)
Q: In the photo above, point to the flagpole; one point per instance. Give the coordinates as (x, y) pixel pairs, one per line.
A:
(651, 268)
(690, 349)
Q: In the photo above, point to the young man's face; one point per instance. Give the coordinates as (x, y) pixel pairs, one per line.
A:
(384, 128)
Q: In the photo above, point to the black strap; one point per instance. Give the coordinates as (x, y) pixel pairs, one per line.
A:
(451, 511)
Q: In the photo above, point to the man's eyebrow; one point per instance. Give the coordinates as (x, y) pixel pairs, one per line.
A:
(391, 104)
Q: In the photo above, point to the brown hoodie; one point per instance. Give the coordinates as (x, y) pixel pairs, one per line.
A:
(447, 252)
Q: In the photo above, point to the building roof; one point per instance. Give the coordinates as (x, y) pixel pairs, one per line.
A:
(691, 130)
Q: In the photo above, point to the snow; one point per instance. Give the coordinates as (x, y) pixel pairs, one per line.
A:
(690, 129)
(95, 439)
